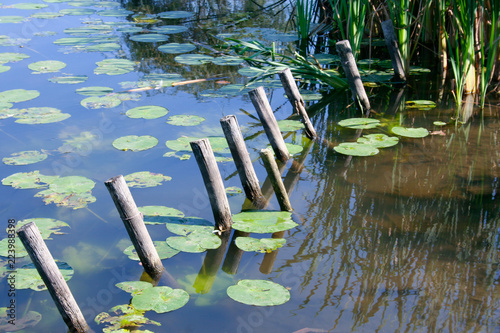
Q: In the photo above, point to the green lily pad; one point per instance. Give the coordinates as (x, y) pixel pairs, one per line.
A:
(160, 299)
(262, 221)
(25, 157)
(175, 14)
(134, 287)
(250, 71)
(46, 15)
(114, 66)
(185, 120)
(46, 226)
(104, 102)
(234, 89)
(27, 180)
(135, 143)
(149, 38)
(163, 249)
(310, 96)
(159, 214)
(264, 245)
(193, 59)
(440, 123)
(195, 242)
(183, 226)
(126, 316)
(182, 157)
(70, 200)
(173, 48)
(356, 149)
(94, 91)
(147, 112)
(130, 30)
(77, 11)
(219, 144)
(4, 69)
(20, 251)
(232, 190)
(326, 58)
(144, 179)
(30, 319)
(228, 61)
(89, 30)
(360, 123)
(115, 12)
(11, 19)
(410, 132)
(420, 104)
(145, 19)
(169, 29)
(378, 140)
(78, 142)
(258, 292)
(72, 184)
(7, 57)
(27, 277)
(293, 149)
(46, 66)
(69, 79)
(40, 115)
(18, 95)
(82, 41)
(289, 125)
(102, 47)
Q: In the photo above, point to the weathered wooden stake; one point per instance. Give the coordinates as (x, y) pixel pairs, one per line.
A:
(241, 158)
(134, 223)
(351, 71)
(213, 182)
(275, 177)
(392, 45)
(266, 115)
(47, 268)
(297, 101)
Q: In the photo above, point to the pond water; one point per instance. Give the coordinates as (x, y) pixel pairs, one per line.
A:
(406, 240)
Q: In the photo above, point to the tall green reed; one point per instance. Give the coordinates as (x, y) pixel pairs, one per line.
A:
(305, 15)
(489, 50)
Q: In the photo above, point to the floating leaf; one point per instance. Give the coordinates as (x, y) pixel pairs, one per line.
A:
(232, 190)
(250, 71)
(310, 96)
(102, 47)
(262, 221)
(27, 277)
(169, 29)
(6, 57)
(440, 123)
(77, 11)
(71, 184)
(179, 14)
(145, 19)
(40, 115)
(11, 19)
(183, 226)
(264, 245)
(70, 200)
(420, 104)
(159, 214)
(144, 179)
(135, 143)
(182, 157)
(147, 112)
(258, 292)
(410, 132)
(289, 125)
(46, 66)
(160, 299)
(30, 319)
(173, 48)
(94, 91)
(105, 102)
(25, 158)
(115, 12)
(185, 120)
(18, 95)
(360, 123)
(46, 15)
(20, 251)
(149, 38)
(25, 180)
(89, 30)
(134, 287)
(163, 249)
(195, 242)
(114, 66)
(193, 59)
(378, 140)
(219, 144)
(78, 143)
(325, 58)
(69, 79)
(46, 226)
(4, 69)
(227, 61)
(131, 30)
(126, 316)
(356, 149)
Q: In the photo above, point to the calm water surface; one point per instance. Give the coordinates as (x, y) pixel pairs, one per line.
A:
(405, 241)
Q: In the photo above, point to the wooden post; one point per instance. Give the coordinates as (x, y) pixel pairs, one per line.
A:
(213, 182)
(275, 177)
(241, 158)
(392, 45)
(296, 100)
(134, 223)
(266, 115)
(351, 71)
(47, 268)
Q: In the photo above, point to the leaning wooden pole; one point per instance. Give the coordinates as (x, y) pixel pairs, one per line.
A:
(351, 71)
(392, 45)
(275, 177)
(213, 182)
(266, 115)
(47, 268)
(241, 158)
(297, 101)
(134, 223)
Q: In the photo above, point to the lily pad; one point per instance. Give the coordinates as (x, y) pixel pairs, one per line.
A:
(69, 79)
(104, 102)
(193, 59)
(440, 123)
(40, 115)
(175, 14)
(160, 299)
(289, 125)
(263, 221)
(46, 66)
(94, 91)
(46, 15)
(134, 287)
(219, 144)
(25, 157)
(135, 143)
(115, 12)
(28, 180)
(149, 38)
(4, 69)
(360, 123)
(159, 214)
(183, 226)
(114, 66)
(163, 249)
(30, 319)
(250, 71)
(147, 112)
(18, 95)
(46, 226)
(70, 200)
(259, 292)
(173, 48)
(89, 30)
(126, 316)
(169, 29)
(27, 277)
(356, 149)
(264, 245)
(185, 120)
(20, 251)
(7, 57)
(78, 143)
(228, 61)
(410, 132)
(72, 184)
(77, 11)
(144, 179)
(182, 157)
(420, 104)
(11, 19)
(232, 190)
(195, 242)
(379, 140)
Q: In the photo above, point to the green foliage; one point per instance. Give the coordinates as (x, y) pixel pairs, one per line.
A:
(261, 221)
(259, 292)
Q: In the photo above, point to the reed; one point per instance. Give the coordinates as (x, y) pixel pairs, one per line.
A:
(305, 15)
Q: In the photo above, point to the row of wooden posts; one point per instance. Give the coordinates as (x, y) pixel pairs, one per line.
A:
(133, 220)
